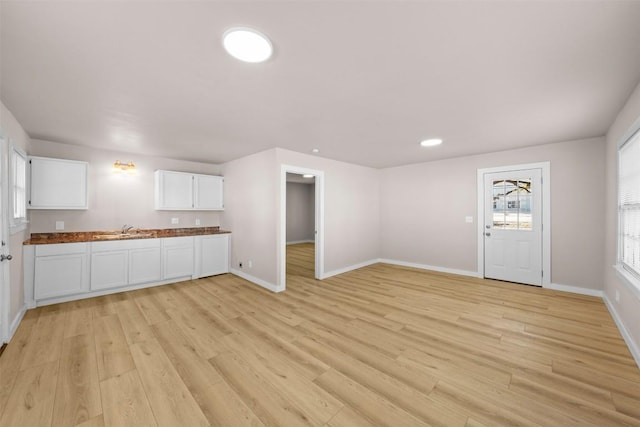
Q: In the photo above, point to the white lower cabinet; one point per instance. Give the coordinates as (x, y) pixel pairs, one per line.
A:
(67, 271)
(61, 269)
(144, 265)
(109, 269)
(212, 255)
(177, 257)
(124, 262)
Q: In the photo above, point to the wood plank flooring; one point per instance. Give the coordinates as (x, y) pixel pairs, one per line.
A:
(380, 346)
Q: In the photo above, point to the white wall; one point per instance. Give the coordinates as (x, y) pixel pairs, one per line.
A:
(300, 212)
(628, 308)
(424, 207)
(252, 184)
(250, 213)
(10, 127)
(117, 199)
(351, 205)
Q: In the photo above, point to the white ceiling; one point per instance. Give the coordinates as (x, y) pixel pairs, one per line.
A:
(362, 81)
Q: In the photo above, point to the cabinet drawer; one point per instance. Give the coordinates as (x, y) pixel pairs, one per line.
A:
(119, 245)
(61, 249)
(172, 242)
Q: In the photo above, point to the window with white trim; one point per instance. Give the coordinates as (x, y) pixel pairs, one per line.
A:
(629, 206)
(18, 182)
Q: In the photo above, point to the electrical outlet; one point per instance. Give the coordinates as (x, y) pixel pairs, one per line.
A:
(59, 225)
(617, 296)
(197, 221)
(175, 220)
(250, 264)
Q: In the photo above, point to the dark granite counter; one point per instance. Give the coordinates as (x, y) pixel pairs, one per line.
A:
(97, 236)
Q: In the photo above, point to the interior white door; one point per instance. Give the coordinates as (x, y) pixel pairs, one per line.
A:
(513, 226)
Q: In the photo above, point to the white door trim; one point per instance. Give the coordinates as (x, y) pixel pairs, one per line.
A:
(319, 222)
(5, 294)
(546, 214)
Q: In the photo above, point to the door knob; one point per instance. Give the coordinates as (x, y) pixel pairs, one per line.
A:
(487, 234)
(7, 257)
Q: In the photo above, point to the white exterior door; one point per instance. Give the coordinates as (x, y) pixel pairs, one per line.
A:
(513, 226)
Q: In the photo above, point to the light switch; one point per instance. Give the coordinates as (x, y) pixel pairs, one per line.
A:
(59, 225)
(468, 219)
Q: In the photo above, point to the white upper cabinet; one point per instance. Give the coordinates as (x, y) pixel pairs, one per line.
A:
(174, 190)
(208, 192)
(180, 191)
(57, 184)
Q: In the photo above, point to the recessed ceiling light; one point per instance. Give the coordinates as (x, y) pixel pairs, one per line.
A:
(315, 150)
(247, 45)
(307, 175)
(431, 142)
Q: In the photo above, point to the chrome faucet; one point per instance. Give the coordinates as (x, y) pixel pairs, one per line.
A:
(126, 228)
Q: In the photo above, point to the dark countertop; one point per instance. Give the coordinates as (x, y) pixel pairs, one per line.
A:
(101, 236)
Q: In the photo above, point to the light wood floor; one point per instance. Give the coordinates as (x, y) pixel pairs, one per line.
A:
(383, 345)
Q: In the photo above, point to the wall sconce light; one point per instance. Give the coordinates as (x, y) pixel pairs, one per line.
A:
(119, 167)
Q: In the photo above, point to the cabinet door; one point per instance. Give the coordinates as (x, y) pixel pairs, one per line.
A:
(109, 269)
(213, 254)
(208, 192)
(57, 184)
(177, 257)
(174, 190)
(144, 265)
(60, 275)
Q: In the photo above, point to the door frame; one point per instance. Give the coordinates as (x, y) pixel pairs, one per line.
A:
(319, 223)
(545, 168)
(5, 292)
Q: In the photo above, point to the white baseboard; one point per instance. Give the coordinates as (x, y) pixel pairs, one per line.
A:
(295, 242)
(575, 290)
(343, 270)
(633, 347)
(431, 267)
(16, 322)
(256, 280)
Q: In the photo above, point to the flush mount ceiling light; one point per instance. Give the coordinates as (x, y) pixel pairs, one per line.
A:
(315, 150)
(247, 44)
(307, 175)
(431, 142)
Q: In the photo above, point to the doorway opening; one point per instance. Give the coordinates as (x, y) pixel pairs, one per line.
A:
(514, 230)
(301, 227)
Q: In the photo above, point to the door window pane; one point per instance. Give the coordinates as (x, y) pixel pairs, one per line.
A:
(499, 219)
(512, 204)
